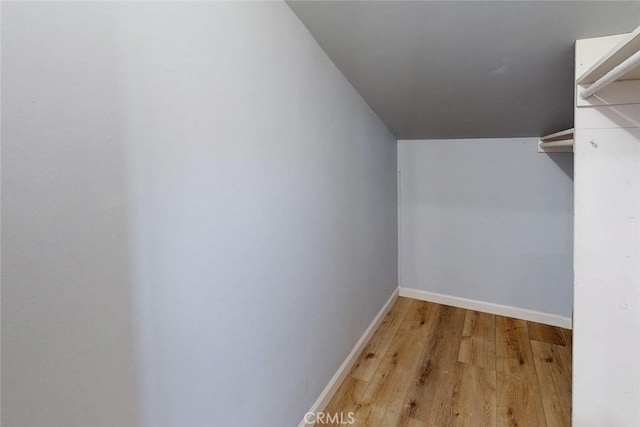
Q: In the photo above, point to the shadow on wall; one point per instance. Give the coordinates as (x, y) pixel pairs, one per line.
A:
(564, 162)
(623, 116)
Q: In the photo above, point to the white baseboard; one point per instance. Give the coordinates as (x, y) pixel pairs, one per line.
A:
(325, 397)
(487, 307)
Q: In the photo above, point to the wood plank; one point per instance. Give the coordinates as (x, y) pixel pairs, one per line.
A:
(412, 422)
(568, 338)
(565, 361)
(346, 399)
(474, 397)
(429, 396)
(478, 346)
(513, 351)
(445, 395)
(518, 392)
(518, 401)
(553, 367)
(383, 398)
(546, 333)
(369, 360)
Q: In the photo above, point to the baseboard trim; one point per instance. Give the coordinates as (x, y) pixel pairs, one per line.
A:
(325, 397)
(487, 307)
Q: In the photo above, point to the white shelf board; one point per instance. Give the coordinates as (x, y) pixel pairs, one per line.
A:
(563, 134)
(623, 50)
(559, 142)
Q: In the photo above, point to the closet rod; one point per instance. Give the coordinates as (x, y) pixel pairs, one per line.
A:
(555, 144)
(623, 68)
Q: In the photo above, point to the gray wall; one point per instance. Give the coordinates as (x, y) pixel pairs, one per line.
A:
(489, 220)
(199, 215)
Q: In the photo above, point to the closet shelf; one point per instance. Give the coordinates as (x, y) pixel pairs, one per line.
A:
(621, 63)
(559, 142)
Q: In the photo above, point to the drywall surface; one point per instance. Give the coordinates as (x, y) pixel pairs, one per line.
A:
(488, 220)
(606, 336)
(199, 215)
(67, 311)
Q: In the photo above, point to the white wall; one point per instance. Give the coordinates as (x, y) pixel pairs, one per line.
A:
(489, 220)
(606, 337)
(199, 215)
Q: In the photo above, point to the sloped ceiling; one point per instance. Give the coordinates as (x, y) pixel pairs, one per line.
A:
(463, 69)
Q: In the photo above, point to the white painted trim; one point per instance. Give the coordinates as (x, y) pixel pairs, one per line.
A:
(325, 397)
(487, 307)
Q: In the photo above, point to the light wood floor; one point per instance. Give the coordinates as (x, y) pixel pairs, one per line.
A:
(434, 365)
